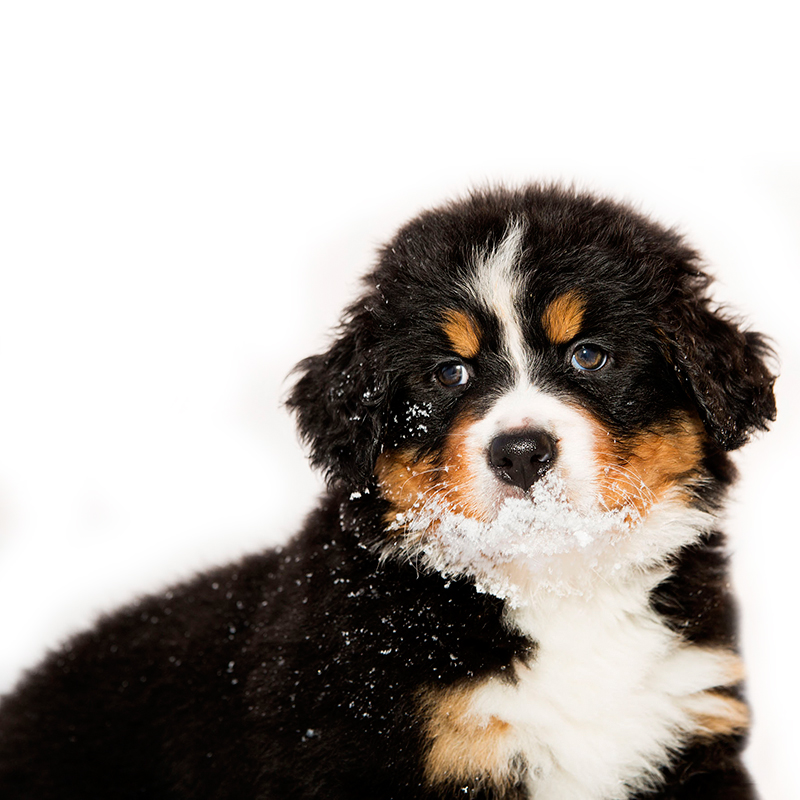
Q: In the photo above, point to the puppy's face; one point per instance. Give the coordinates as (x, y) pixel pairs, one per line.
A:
(528, 369)
(533, 373)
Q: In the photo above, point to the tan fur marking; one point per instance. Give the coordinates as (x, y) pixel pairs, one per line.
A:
(464, 747)
(406, 479)
(563, 317)
(717, 714)
(403, 477)
(640, 472)
(462, 332)
(734, 667)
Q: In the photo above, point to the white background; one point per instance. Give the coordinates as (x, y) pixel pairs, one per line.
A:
(188, 192)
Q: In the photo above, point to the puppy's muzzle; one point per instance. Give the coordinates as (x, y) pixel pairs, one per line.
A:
(522, 457)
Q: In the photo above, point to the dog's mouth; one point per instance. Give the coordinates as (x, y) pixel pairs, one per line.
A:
(540, 520)
(528, 535)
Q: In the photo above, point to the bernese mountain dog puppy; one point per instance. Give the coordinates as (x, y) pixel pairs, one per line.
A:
(515, 586)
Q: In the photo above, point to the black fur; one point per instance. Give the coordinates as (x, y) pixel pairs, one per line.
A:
(297, 673)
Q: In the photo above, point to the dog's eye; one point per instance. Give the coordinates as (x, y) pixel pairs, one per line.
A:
(589, 358)
(452, 375)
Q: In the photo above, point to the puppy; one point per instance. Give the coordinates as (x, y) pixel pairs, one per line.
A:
(514, 587)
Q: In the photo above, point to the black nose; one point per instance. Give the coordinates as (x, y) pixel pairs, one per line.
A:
(522, 458)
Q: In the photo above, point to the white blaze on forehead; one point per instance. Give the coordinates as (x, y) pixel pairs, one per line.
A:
(497, 285)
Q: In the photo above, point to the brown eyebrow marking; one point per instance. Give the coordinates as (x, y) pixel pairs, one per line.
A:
(563, 317)
(463, 333)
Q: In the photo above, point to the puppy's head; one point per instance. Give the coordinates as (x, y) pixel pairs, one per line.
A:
(532, 353)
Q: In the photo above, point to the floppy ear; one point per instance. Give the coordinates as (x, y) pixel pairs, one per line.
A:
(724, 370)
(339, 403)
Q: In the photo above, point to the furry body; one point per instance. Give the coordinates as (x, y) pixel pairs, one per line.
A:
(514, 587)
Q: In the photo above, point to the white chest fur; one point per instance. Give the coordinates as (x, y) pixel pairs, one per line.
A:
(610, 692)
